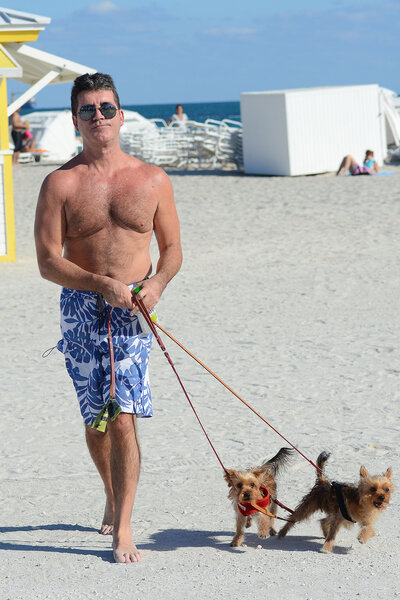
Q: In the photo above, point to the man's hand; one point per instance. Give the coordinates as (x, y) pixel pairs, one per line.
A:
(117, 294)
(149, 294)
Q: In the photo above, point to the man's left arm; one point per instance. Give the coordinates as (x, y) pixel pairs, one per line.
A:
(167, 232)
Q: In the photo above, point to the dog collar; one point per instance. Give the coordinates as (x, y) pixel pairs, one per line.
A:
(246, 509)
(339, 497)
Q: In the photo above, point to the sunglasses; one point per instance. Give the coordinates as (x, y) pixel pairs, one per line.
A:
(88, 111)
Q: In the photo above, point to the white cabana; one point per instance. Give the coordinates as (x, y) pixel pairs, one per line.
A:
(308, 131)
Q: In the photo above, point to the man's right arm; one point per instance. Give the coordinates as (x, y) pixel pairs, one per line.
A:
(50, 230)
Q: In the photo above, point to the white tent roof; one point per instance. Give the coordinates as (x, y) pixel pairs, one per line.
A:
(36, 63)
(14, 20)
(10, 67)
(40, 69)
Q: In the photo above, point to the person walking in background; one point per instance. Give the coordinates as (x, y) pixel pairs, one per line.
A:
(349, 164)
(179, 119)
(95, 219)
(17, 132)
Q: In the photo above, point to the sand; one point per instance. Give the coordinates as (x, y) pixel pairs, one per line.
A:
(289, 291)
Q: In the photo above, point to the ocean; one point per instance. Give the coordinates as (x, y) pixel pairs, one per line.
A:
(196, 111)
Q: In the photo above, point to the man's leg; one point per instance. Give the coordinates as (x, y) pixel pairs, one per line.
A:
(99, 445)
(125, 468)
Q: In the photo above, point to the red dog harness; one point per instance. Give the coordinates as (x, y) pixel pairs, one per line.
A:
(247, 509)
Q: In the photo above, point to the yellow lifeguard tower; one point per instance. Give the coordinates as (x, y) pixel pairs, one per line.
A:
(36, 68)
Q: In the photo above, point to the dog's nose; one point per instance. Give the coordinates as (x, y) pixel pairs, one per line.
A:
(381, 497)
(246, 496)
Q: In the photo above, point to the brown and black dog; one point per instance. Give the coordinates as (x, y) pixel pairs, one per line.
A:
(362, 504)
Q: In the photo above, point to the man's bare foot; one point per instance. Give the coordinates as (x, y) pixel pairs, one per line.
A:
(108, 520)
(124, 550)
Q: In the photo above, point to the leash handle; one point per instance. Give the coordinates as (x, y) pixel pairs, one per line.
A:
(149, 320)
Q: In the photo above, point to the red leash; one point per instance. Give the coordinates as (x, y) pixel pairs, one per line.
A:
(150, 323)
(153, 329)
(226, 386)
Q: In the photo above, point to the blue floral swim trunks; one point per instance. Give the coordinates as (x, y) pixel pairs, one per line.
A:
(84, 343)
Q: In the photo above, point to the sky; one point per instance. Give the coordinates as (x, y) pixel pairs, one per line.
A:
(178, 51)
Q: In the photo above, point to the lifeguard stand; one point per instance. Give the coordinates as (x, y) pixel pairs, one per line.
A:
(37, 69)
(15, 27)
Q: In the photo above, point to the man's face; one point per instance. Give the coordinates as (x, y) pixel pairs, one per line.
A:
(98, 128)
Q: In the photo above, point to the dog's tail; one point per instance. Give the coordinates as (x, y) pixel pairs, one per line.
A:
(278, 461)
(321, 460)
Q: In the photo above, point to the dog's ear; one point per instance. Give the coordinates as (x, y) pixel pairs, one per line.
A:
(363, 472)
(388, 473)
(258, 472)
(229, 475)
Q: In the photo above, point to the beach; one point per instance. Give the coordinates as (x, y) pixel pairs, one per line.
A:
(289, 292)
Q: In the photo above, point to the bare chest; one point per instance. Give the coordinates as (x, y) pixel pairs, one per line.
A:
(96, 206)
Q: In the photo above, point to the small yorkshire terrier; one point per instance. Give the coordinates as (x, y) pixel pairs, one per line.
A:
(247, 488)
(344, 504)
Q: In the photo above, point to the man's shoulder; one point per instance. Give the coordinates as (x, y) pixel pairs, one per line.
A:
(150, 173)
(64, 178)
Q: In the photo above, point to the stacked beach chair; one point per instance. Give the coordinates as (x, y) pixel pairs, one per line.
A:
(210, 145)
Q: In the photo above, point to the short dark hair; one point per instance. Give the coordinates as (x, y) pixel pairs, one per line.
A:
(89, 82)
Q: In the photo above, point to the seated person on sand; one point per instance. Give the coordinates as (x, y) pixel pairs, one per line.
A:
(368, 167)
(27, 139)
(179, 119)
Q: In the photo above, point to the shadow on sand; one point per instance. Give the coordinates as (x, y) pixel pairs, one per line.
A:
(168, 540)
(105, 555)
(172, 539)
(53, 527)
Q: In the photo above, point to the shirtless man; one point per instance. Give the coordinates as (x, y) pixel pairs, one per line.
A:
(94, 222)
(17, 132)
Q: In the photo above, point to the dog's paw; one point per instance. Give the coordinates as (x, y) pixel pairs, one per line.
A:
(272, 531)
